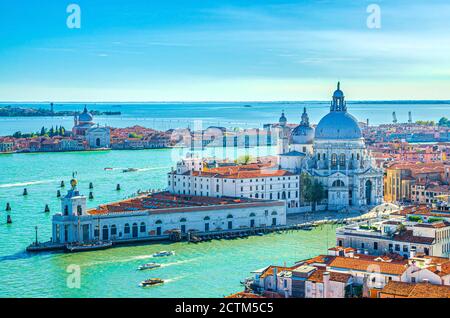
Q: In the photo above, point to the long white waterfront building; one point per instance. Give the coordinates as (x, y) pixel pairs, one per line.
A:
(157, 215)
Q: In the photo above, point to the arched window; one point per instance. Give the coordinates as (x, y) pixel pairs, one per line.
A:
(357, 156)
(126, 229)
(318, 156)
(113, 229)
(183, 220)
(274, 213)
(158, 222)
(79, 210)
(342, 160)
(334, 160)
(252, 214)
(229, 216)
(206, 218)
(338, 183)
(143, 228)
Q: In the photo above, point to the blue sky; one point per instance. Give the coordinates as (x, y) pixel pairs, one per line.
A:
(228, 50)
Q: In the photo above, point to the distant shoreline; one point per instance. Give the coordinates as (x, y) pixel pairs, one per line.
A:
(9, 111)
(120, 103)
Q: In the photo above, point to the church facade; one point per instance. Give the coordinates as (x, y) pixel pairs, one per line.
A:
(335, 154)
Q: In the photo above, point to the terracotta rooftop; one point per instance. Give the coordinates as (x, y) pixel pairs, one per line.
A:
(360, 264)
(407, 236)
(244, 295)
(317, 276)
(165, 202)
(420, 290)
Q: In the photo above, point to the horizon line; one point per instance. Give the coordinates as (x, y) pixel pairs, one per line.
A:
(227, 101)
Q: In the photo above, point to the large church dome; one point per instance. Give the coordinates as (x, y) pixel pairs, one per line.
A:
(338, 124)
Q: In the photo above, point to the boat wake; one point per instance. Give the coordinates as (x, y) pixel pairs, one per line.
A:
(174, 279)
(22, 184)
(178, 262)
(124, 260)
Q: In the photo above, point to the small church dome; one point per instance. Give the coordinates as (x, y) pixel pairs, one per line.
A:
(85, 116)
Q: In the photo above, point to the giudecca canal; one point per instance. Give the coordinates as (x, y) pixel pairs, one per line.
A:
(210, 269)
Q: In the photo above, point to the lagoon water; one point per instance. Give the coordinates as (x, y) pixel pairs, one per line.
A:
(211, 269)
(164, 116)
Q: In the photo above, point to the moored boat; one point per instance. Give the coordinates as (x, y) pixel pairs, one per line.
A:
(148, 266)
(151, 282)
(72, 248)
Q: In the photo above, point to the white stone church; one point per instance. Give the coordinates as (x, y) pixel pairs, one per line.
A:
(335, 154)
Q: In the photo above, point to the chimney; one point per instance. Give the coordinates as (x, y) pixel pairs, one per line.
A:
(326, 283)
(439, 267)
(275, 283)
(351, 254)
(412, 253)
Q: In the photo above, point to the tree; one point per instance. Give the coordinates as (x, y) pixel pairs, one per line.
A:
(312, 191)
(244, 160)
(444, 121)
(43, 131)
(17, 134)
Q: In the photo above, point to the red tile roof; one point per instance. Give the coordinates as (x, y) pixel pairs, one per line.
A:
(420, 290)
(360, 264)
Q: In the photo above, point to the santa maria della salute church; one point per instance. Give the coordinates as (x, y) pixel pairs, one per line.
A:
(335, 154)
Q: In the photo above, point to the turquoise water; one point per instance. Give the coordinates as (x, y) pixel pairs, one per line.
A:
(211, 269)
(164, 116)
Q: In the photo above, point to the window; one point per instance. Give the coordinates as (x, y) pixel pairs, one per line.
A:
(342, 160)
(142, 227)
(375, 245)
(79, 210)
(397, 247)
(338, 183)
(113, 229)
(66, 210)
(334, 160)
(126, 229)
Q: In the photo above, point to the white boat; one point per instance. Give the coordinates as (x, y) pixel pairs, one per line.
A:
(148, 266)
(72, 248)
(163, 253)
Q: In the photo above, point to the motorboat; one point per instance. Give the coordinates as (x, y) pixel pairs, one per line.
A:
(148, 266)
(85, 247)
(151, 282)
(130, 170)
(163, 253)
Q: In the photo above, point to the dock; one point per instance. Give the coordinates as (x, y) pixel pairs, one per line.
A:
(198, 237)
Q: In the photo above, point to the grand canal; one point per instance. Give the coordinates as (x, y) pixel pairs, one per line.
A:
(211, 269)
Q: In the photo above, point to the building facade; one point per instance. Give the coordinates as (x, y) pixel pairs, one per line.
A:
(156, 215)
